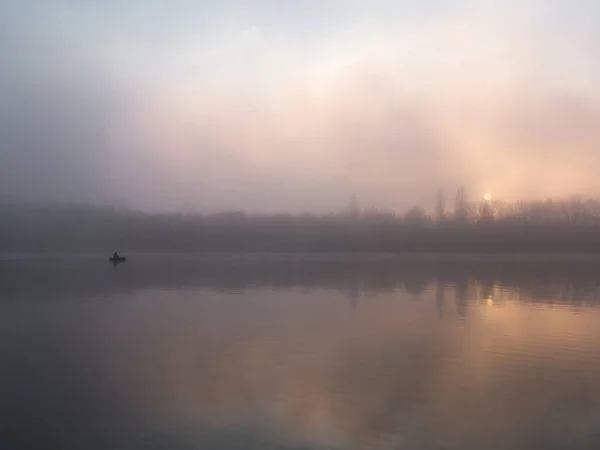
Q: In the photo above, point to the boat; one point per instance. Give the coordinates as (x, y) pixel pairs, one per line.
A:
(117, 259)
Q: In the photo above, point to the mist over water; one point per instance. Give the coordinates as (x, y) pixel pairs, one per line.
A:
(418, 138)
(299, 352)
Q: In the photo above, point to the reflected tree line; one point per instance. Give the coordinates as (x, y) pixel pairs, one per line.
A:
(561, 281)
(550, 226)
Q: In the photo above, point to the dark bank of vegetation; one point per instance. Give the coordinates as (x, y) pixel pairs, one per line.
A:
(552, 226)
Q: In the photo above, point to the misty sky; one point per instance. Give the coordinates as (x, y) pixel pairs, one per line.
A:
(269, 105)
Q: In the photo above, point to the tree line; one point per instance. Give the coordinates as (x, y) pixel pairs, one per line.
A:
(553, 225)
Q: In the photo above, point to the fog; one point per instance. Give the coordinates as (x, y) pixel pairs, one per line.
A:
(205, 106)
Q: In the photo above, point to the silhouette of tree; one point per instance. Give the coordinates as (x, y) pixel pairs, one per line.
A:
(440, 206)
(486, 212)
(415, 215)
(559, 225)
(354, 208)
(461, 207)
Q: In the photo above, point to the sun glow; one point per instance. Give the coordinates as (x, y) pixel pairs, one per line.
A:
(487, 197)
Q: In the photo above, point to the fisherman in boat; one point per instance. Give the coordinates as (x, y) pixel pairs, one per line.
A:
(116, 258)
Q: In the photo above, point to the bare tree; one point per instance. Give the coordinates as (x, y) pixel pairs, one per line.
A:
(486, 212)
(461, 207)
(353, 208)
(440, 206)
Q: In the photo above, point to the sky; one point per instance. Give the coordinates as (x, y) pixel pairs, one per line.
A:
(296, 106)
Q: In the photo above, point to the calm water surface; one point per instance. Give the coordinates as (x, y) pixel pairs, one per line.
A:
(299, 353)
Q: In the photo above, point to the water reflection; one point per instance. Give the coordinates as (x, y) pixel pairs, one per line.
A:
(562, 281)
(440, 299)
(300, 353)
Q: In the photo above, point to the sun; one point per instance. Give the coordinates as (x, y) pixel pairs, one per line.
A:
(487, 197)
